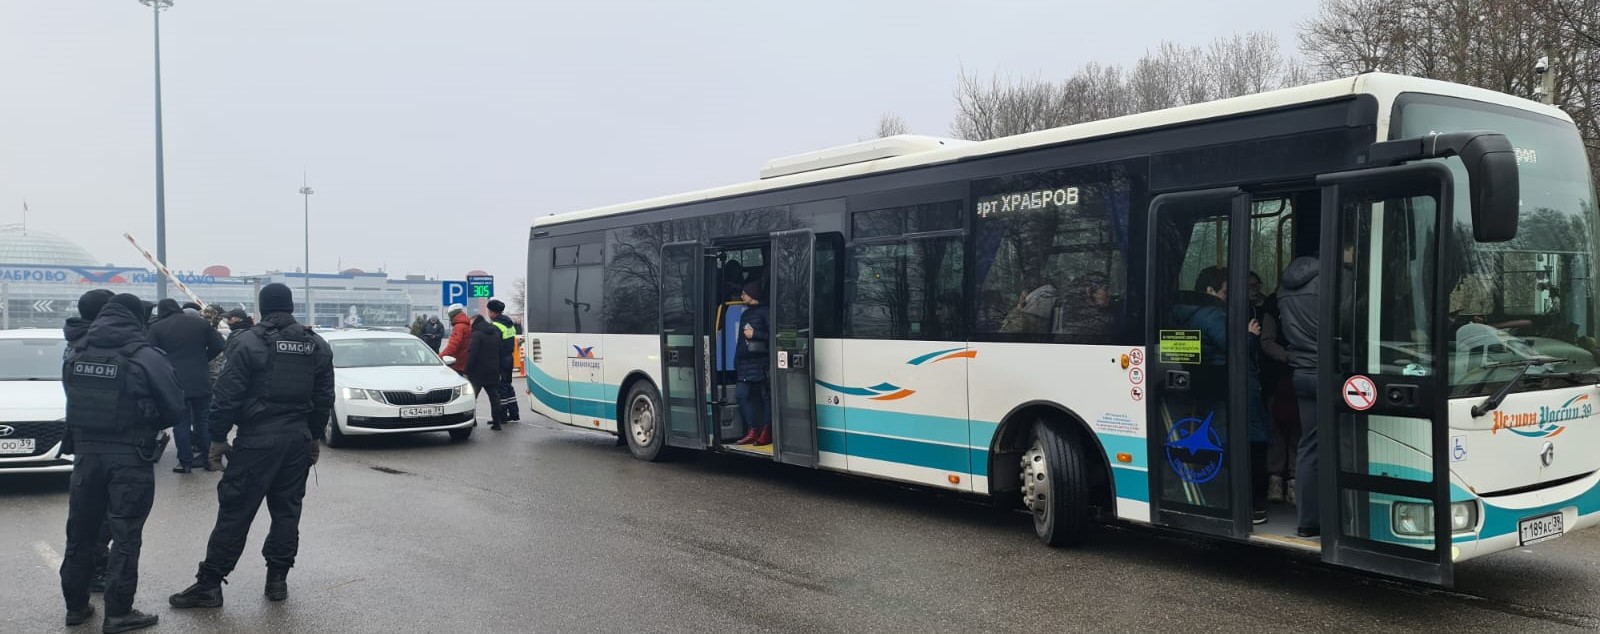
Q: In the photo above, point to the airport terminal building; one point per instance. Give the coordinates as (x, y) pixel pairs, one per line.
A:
(42, 275)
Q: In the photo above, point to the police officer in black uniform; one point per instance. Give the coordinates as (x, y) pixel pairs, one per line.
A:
(76, 331)
(120, 393)
(277, 384)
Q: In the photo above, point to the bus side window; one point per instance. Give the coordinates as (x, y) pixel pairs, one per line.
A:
(1049, 254)
(828, 285)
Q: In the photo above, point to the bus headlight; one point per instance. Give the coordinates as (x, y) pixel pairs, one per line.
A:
(1414, 520)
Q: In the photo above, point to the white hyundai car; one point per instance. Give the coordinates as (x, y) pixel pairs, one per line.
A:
(392, 383)
(33, 407)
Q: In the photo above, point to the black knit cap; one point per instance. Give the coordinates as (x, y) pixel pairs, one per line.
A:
(276, 298)
(133, 304)
(90, 304)
(496, 306)
(753, 289)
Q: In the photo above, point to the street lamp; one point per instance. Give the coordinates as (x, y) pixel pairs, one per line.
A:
(156, 7)
(305, 190)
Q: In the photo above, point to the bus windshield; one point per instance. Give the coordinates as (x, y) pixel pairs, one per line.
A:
(1532, 297)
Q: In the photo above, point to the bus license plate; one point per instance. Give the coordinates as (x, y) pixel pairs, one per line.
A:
(422, 412)
(1539, 529)
(16, 446)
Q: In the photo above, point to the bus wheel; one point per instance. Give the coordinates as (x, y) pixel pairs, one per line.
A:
(1055, 487)
(643, 426)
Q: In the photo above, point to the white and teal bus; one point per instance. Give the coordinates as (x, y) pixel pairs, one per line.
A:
(1001, 318)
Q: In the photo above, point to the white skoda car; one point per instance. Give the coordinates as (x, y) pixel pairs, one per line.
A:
(33, 407)
(392, 383)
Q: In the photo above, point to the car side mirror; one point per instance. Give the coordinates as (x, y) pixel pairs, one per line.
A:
(449, 360)
(1493, 185)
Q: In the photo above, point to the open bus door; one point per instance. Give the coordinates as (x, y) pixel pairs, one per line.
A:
(683, 388)
(1382, 423)
(1198, 397)
(794, 400)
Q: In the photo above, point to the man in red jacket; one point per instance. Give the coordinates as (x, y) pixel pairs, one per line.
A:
(460, 335)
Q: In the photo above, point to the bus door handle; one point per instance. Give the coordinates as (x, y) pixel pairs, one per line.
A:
(1178, 380)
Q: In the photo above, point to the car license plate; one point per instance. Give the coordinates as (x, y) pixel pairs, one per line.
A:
(422, 412)
(1543, 528)
(15, 446)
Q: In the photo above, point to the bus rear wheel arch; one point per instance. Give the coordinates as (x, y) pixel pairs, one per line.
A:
(1045, 462)
(641, 421)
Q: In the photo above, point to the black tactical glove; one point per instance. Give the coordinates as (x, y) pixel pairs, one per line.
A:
(218, 450)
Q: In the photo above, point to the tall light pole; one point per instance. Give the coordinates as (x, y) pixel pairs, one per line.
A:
(156, 7)
(305, 190)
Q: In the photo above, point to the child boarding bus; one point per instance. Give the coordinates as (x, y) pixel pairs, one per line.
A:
(1020, 318)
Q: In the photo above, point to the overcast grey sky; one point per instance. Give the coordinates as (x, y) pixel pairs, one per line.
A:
(434, 132)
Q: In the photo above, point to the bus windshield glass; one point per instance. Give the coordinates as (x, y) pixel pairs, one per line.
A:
(1533, 296)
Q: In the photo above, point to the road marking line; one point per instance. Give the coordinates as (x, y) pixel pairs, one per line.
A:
(48, 554)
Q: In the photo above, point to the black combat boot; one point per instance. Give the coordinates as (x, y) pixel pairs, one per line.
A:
(133, 620)
(80, 616)
(277, 584)
(205, 593)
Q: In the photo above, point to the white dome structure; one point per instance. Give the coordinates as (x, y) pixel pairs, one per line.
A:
(20, 245)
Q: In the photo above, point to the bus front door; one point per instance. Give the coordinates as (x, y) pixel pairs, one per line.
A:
(1198, 388)
(1383, 427)
(794, 401)
(683, 387)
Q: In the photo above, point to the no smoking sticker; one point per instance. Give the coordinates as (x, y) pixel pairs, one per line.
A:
(1359, 393)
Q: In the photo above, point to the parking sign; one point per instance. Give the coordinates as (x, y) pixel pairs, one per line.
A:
(454, 293)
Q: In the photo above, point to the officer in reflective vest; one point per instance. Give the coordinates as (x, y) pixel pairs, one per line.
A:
(121, 393)
(508, 352)
(276, 385)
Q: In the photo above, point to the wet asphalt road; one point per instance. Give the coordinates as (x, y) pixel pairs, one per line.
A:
(542, 528)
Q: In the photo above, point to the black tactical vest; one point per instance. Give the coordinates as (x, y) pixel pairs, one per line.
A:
(291, 365)
(97, 392)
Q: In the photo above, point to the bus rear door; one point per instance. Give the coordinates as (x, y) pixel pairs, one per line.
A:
(794, 399)
(683, 351)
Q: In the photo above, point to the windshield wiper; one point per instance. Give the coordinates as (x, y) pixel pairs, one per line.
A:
(1590, 376)
(1523, 365)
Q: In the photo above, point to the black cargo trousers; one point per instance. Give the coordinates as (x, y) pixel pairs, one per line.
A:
(114, 491)
(270, 467)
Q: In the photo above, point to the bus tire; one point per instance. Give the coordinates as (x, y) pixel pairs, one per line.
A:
(643, 426)
(1055, 487)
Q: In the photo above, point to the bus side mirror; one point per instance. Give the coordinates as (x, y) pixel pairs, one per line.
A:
(1493, 185)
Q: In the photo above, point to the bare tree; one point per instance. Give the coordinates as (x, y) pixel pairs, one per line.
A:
(1483, 43)
(891, 124)
(1169, 75)
(519, 297)
(1004, 107)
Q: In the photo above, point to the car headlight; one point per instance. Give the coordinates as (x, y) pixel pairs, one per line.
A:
(460, 389)
(1416, 520)
(358, 394)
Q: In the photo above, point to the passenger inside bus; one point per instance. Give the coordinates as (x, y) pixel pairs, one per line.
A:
(1033, 311)
(1205, 310)
(1095, 312)
(754, 395)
